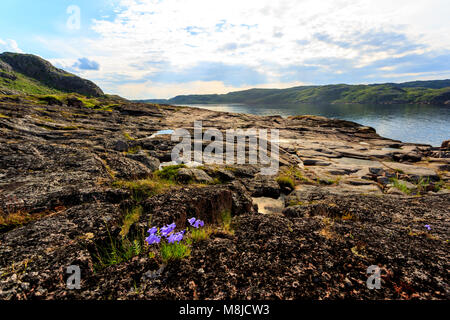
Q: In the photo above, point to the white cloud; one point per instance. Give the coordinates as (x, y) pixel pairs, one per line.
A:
(264, 35)
(9, 45)
(159, 29)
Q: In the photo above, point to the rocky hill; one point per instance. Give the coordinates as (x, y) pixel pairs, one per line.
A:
(30, 74)
(420, 92)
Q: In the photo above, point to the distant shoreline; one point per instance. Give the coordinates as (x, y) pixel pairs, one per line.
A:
(434, 92)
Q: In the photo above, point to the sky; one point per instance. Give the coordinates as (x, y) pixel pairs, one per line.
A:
(162, 48)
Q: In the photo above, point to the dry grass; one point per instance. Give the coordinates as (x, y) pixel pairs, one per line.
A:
(348, 216)
(131, 217)
(20, 217)
(15, 218)
(327, 231)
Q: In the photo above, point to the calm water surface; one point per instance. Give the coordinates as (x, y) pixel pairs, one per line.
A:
(407, 123)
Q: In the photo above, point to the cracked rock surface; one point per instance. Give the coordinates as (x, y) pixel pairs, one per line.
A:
(356, 200)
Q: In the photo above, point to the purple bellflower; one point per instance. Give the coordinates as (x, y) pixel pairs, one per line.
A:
(176, 237)
(196, 223)
(153, 239)
(153, 231)
(165, 231)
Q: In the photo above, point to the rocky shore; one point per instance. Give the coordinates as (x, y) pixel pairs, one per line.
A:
(72, 177)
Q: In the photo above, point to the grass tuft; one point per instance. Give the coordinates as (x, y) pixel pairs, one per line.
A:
(134, 150)
(174, 251)
(400, 186)
(143, 189)
(200, 234)
(128, 136)
(226, 221)
(169, 173)
(286, 182)
(18, 218)
(131, 217)
(117, 251)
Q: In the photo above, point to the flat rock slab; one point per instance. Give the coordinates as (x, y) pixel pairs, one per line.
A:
(415, 170)
(359, 182)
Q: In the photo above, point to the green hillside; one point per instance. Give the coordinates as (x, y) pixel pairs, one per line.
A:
(30, 74)
(421, 92)
(16, 83)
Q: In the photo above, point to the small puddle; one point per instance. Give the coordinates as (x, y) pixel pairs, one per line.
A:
(269, 205)
(161, 132)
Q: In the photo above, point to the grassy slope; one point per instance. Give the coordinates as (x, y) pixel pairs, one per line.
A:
(24, 85)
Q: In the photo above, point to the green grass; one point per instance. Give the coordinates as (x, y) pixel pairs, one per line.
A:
(200, 234)
(293, 203)
(169, 173)
(286, 182)
(422, 185)
(161, 181)
(440, 185)
(128, 136)
(174, 251)
(425, 184)
(50, 99)
(145, 188)
(116, 251)
(336, 181)
(400, 186)
(131, 217)
(226, 220)
(90, 102)
(45, 97)
(324, 182)
(134, 150)
(26, 85)
(296, 175)
(44, 119)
